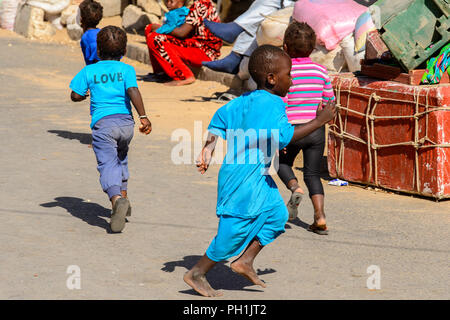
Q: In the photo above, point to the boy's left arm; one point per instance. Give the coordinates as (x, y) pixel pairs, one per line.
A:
(136, 99)
(75, 97)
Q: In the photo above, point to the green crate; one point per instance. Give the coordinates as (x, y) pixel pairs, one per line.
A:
(414, 30)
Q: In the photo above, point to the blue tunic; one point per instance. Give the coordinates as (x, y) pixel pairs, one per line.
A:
(255, 125)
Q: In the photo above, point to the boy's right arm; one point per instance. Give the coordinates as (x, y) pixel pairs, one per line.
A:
(205, 156)
(324, 115)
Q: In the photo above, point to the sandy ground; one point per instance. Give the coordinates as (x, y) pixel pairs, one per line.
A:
(54, 214)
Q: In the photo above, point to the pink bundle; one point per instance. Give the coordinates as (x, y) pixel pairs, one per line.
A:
(332, 20)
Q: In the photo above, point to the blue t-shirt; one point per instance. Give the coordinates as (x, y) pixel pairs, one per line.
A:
(255, 125)
(88, 45)
(173, 19)
(108, 82)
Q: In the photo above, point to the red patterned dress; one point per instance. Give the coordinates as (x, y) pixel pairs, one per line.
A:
(171, 54)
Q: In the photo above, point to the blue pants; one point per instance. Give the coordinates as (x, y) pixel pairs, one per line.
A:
(111, 136)
(234, 233)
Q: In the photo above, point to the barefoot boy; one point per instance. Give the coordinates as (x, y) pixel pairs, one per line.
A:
(251, 211)
(112, 85)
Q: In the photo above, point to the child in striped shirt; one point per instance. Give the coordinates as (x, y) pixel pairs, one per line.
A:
(310, 88)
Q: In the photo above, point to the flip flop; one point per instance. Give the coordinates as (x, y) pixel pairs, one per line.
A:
(293, 204)
(322, 229)
(118, 215)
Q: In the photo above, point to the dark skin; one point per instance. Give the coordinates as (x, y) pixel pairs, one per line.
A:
(136, 99)
(278, 83)
(318, 200)
(171, 5)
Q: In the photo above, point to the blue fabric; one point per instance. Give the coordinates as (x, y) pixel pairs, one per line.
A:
(234, 234)
(173, 19)
(110, 139)
(88, 45)
(255, 125)
(108, 82)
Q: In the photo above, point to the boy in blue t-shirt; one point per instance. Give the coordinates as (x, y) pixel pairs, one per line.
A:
(250, 208)
(91, 12)
(112, 84)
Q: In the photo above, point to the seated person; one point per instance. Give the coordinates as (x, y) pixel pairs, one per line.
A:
(191, 43)
(173, 19)
(243, 31)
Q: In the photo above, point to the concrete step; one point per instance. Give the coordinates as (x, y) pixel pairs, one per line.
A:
(138, 51)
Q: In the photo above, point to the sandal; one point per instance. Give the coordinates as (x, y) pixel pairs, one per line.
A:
(319, 229)
(118, 215)
(293, 204)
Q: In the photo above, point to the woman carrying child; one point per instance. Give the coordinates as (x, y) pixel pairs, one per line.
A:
(191, 43)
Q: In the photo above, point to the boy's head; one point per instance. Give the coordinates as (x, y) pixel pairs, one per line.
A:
(111, 43)
(91, 12)
(299, 39)
(174, 4)
(270, 67)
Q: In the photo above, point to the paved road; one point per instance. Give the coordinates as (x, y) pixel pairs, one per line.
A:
(54, 214)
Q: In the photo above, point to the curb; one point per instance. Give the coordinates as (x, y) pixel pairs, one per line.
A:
(139, 52)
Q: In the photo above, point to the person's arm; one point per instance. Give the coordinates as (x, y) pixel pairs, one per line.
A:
(183, 31)
(205, 156)
(136, 99)
(324, 115)
(75, 97)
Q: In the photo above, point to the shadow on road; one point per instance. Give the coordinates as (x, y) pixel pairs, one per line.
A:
(84, 138)
(298, 223)
(220, 277)
(91, 213)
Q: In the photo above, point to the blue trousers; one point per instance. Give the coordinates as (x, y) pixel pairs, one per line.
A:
(111, 137)
(234, 233)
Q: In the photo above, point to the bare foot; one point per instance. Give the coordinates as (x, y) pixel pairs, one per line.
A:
(247, 271)
(199, 283)
(176, 83)
(300, 190)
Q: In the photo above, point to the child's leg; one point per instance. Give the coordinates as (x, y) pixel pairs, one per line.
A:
(122, 153)
(312, 156)
(285, 171)
(196, 277)
(288, 177)
(105, 148)
(244, 264)
(273, 227)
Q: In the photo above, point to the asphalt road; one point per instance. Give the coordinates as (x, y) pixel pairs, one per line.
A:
(54, 214)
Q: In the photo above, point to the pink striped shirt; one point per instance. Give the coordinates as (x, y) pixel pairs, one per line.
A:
(310, 85)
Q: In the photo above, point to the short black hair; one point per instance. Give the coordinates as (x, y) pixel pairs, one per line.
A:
(111, 43)
(91, 13)
(300, 39)
(264, 60)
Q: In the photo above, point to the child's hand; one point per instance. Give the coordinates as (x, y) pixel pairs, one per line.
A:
(327, 113)
(146, 126)
(203, 160)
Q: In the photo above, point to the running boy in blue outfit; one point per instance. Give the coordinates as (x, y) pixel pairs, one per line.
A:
(250, 208)
(112, 85)
(91, 12)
